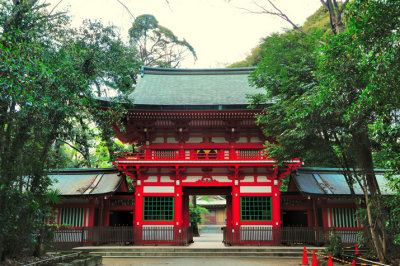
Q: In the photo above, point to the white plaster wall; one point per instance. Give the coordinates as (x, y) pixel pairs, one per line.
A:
(219, 140)
(242, 140)
(158, 140)
(255, 189)
(165, 179)
(158, 189)
(194, 140)
(256, 140)
(262, 179)
(151, 179)
(171, 140)
(221, 178)
(191, 179)
(248, 179)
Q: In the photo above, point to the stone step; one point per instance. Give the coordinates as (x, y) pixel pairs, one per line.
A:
(188, 249)
(196, 254)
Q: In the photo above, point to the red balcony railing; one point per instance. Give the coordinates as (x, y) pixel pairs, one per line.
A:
(194, 156)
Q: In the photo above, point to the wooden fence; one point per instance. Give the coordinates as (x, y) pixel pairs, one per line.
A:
(285, 235)
(123, 235)
(159, 235)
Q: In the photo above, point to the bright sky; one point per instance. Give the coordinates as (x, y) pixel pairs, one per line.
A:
(219, 31)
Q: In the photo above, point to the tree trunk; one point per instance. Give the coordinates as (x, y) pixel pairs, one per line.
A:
(373, 201)
(193, 200)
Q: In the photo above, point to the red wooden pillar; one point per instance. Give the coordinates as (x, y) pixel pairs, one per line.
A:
(229, 210)
(178, 220)
(276, 205)
(232, 154)
(91, 213)
(185, 210)
(147, 152)
(106, 211)
(181, 153)
(138, 218)
(324, 214)
(235, 206)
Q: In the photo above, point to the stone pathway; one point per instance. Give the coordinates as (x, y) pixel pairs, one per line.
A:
(206, 240)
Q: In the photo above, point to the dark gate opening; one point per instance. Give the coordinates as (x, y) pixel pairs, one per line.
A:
(121, 218)
(295, 218)
(218, 217)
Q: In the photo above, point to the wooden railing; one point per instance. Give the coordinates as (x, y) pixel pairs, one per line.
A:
(286, 235)
(193, 156)
(154, 235)
(158, 235)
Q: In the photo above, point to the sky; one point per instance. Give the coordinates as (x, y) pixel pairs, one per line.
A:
(219, 30)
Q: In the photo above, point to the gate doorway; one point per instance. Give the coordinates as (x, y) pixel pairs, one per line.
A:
(218, 216)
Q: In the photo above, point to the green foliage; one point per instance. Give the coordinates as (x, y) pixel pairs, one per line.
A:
(338, 101)
(334, 246)
(195, 217)
(252, 59)
(48, 73)
(157, 45)
(317, 22)
(195, 214)
(287, 74)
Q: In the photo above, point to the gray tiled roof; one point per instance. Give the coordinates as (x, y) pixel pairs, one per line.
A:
(86, 182)
(331, 181)
(161, 86)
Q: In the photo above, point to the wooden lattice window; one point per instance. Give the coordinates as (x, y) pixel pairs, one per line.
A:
(158, 208)
(249, 153)
(165, 154)
(256, 208)
(344, 217)
(72, 216)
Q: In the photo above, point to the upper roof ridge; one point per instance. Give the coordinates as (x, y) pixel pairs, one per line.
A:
(195, 71)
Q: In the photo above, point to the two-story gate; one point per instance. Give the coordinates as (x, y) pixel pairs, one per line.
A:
(196, 136)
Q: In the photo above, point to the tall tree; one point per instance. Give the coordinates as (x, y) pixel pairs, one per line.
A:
(337, 101)
(157, 45)
(46, 80)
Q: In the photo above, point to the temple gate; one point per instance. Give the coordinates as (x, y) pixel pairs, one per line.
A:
(197, 137)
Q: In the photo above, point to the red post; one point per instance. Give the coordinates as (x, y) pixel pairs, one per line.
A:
(138, 220)
(235, 206)
(178, 221)
(106, 211)
(276, 205)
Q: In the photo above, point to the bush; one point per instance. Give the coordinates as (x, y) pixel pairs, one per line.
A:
(334, 245)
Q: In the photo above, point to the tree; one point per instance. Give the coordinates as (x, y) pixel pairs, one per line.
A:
(337, 101)
(46, 81)
(157, 45)
(317, 22)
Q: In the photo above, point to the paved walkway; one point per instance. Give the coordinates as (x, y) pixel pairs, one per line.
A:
(208, 240)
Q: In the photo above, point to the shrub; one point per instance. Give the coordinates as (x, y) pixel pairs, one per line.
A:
(334, 245)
